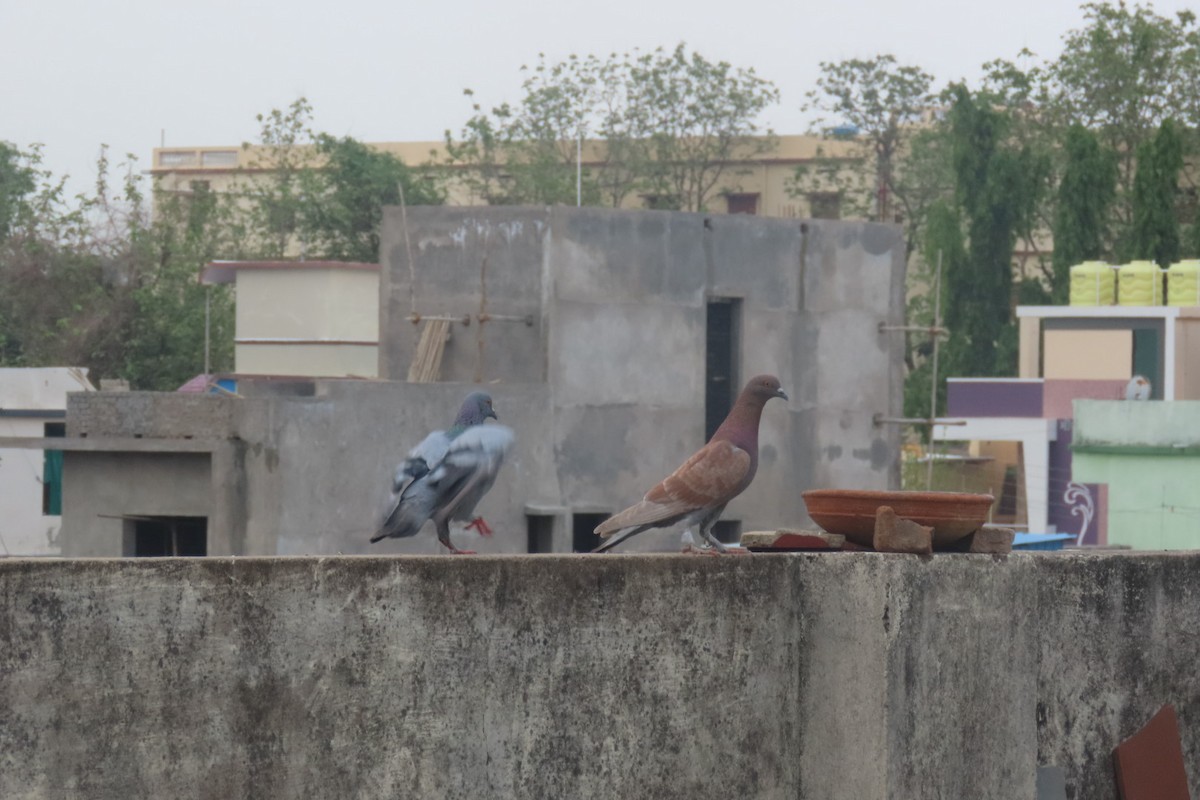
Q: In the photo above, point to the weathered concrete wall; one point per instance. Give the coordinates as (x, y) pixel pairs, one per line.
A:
(319, 471)
(453, 253)
(1117, 640)
(151, 415)
(619, 302)
(99, 489)
(819, 676)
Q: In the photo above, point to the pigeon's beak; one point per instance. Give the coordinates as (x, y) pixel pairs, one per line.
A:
(781, 393)
(492, 413)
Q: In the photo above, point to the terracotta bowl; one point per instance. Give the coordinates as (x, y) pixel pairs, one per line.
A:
(851, 512)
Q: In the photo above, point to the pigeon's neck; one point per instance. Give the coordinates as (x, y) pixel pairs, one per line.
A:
(455, 430)
(740, 428)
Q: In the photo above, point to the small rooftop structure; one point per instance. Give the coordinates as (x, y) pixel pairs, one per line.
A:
(303, 318)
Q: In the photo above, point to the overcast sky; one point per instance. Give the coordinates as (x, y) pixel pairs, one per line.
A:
(78, 73)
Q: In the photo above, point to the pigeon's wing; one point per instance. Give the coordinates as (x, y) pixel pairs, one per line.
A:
(414, 496)
(469, 469)
(712, 477)
(408, 512)
(421, 459)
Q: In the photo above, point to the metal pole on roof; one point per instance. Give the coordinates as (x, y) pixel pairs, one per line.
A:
(207, 330)
(937, 323)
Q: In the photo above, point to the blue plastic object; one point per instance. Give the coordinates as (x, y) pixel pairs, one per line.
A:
(1040, 541)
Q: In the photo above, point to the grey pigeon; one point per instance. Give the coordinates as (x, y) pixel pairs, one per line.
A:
(447, 474)
(697, 492)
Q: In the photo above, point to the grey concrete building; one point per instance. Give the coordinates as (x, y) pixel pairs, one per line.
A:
(612, 342)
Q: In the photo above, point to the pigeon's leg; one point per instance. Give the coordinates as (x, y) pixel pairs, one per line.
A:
(443, 534)
(442, 518)
(691, 548)
(480, 525)
(706, 526)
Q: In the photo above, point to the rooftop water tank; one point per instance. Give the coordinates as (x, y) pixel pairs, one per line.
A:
(1140, 283)
(1093, 283)
(1183, 283)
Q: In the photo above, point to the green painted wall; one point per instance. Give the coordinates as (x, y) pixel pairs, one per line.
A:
(1153, 501)
(1148, 453)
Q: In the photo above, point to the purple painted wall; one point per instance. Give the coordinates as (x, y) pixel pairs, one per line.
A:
(999, 398)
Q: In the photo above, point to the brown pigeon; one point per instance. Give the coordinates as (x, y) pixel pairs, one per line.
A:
(696, 493)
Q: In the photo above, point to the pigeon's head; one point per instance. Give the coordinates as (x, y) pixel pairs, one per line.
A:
(475, 409)
(763, 387)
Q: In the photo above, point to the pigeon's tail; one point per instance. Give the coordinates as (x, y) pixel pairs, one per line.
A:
(615, 539)
(407, 516)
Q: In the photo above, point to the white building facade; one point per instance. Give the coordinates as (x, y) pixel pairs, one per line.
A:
(33, 405)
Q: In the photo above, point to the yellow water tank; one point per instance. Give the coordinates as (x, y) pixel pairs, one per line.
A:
(1093, 283)
(1140, 283)
(1183, 283)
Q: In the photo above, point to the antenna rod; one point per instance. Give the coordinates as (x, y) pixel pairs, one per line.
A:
(937, 323)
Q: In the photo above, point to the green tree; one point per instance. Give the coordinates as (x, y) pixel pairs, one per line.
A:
(1085, 192)
(997, 188)
(318, 194)
(691, 117)
(879, 103)
(96, 282)
(1121, 75)
(282, 176)
(663, 124)
(345, 195)
(17, 181)
(943, 243)
(1155, 232)
(62, 269)
(166, 337)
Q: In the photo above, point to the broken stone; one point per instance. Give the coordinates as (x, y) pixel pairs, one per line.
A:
(988, 539)
(896, 535)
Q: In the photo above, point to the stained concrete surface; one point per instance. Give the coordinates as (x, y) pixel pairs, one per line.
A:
(815, 676)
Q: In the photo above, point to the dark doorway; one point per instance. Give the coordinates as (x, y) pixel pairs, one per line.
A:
(720, 379)
(52, 463)
(1146, 361)
(583, 540)
(539, 529)
(169, 536)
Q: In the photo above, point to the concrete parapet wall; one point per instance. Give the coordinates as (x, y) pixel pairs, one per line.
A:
(830, 676)
(162, 415)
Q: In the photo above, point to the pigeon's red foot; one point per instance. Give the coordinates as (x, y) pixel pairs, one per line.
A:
(458, 552)
(480, 525)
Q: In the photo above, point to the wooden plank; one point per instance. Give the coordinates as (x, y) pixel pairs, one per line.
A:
(426, 366)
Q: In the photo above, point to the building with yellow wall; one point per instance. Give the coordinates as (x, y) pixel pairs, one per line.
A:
(757, 184)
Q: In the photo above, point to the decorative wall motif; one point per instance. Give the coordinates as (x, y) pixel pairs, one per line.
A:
(1079, 498)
